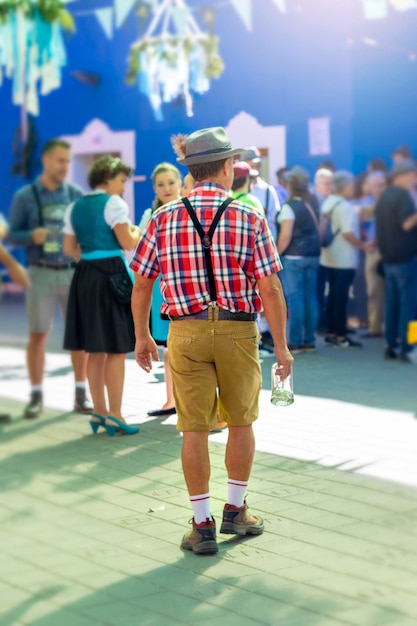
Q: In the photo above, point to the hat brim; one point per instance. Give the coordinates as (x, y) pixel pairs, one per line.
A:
(210, 158)
(406, 170)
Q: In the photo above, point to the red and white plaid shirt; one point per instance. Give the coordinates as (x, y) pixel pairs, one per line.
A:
(243, 251)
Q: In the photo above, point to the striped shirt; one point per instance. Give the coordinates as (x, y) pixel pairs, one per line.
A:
(243, 251)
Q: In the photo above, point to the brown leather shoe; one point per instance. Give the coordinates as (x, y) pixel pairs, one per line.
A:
(82, 404)
(35, 406)
(202, 538)
(238, 521)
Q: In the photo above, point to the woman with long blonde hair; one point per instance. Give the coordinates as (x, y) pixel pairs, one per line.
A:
(167, 182)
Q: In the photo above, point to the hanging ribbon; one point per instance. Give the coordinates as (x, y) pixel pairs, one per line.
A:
(32, 49)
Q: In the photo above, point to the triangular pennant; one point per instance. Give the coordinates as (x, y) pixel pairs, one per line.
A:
(244, 9)
(375, 9)
(281, 4)
(105, 17)
(404, 5)
(123, 8)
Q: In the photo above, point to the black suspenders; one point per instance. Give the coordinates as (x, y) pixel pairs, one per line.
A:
(206, 240)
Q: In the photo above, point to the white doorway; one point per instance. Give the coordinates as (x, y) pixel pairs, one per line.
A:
(95, 140)
(245, 131)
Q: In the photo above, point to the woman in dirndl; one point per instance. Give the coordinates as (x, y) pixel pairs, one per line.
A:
(97, 229)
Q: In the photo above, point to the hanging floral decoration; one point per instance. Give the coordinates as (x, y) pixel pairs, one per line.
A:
(174, 58)
(32, 48)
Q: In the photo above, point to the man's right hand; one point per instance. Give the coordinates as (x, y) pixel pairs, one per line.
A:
(40, 235)
(146, 350)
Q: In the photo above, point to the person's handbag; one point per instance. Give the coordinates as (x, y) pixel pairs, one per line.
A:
(325, 228)
(121, 286)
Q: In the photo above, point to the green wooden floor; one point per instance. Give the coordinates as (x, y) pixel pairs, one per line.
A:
(90, 532)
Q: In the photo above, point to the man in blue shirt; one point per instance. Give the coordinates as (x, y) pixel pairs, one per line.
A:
(36, 219)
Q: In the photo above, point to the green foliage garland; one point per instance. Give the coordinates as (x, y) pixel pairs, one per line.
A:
(49, 10)
(210, 43)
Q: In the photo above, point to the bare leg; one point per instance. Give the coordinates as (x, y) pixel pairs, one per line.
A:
(114, 377)
(79, 360)
(170, 402)
(35, 357)
(240, 451)
(196, 462)
(95, 372)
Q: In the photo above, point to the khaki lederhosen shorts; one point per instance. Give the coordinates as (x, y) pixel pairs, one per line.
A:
(48, 288)
(206, 356)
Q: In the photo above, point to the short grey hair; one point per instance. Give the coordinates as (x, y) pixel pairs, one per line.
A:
(322, 173)
(341, 179)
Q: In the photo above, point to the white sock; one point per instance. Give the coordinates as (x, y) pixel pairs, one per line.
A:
(236, 492)
(80, 385)
(37, 388)
(201, 507)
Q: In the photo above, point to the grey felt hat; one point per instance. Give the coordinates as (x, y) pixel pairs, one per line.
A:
(208, 145)
(298, 175)
(404, 167)
(403, 150)
(251, 154)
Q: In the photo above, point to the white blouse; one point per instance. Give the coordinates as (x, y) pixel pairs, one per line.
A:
(116, 212)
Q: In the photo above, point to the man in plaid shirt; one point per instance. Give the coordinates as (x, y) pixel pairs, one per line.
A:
(213, 284)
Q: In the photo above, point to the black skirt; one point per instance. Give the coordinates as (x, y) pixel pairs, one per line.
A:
(96, 321)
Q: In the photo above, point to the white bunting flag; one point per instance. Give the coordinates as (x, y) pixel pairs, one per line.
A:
(123, 8)
(281, 4)
(105, 17)
(375, 9)
(244, 9)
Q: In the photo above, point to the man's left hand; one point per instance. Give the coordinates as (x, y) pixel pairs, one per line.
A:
(146, 350)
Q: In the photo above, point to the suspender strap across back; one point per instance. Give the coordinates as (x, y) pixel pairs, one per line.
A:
(206, 239)
(40, 215)
(38, 203)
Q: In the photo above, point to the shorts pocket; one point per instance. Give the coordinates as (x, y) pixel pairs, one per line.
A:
(246, 337)
(181, 350)
(245, 346)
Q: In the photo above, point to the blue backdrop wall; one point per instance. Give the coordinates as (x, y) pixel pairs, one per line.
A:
(319, 59)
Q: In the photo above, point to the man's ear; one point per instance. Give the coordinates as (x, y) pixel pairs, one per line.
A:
(228, 167)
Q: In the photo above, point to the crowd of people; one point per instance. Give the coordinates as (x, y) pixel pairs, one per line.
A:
(225, 265)
(342, 228)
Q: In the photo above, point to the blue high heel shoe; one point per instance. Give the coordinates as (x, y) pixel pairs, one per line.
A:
(125, 429)
(96, 425)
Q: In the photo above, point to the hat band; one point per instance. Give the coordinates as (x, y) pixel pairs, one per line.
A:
(207, 152)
